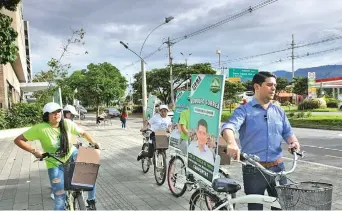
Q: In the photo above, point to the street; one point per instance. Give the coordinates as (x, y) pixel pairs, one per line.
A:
(121, 184)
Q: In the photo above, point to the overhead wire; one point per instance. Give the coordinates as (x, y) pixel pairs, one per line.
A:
(207, 28)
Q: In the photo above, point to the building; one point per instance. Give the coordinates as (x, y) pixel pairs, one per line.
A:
(12, 74)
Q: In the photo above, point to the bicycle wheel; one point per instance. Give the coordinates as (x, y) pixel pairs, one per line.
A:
(211, 201)
(160, 167)
(78, 201)
(173, 175)
(145, 161)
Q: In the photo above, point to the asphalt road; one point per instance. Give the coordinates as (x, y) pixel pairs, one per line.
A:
(337, 113)
(321, 146)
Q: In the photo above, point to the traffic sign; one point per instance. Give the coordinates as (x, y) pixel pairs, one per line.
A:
(242, 73)
(234, 79)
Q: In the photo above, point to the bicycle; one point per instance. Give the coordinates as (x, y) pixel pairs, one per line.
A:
(74, 192)
(285, 199)
(185, 179)
(158, 159)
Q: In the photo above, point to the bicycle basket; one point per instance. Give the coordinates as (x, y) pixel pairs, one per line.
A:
(305, 196)
(80, 176)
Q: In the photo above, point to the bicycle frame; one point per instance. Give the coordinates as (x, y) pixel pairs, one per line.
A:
(255, 198)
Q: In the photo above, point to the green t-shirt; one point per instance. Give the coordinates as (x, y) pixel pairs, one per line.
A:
(49, 139)
(185, 120)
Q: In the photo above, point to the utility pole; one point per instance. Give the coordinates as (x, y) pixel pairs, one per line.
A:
(292, 56)
(171, 77)
(144, 90)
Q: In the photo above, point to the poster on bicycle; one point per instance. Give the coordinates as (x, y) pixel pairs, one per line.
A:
(182, 103)
(150, 110)
(206, 99)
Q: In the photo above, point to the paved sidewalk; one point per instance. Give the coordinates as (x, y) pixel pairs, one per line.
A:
(121, 183)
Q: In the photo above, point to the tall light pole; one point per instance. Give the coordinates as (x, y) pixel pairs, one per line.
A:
(219, 54)
(143, 72)
(186, 66)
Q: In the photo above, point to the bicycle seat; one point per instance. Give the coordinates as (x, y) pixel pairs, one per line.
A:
(225, 185)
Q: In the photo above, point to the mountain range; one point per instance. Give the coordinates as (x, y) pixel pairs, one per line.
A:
(328, 71)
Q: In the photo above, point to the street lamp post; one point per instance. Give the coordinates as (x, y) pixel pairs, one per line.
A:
(219, 54)
(143, 71)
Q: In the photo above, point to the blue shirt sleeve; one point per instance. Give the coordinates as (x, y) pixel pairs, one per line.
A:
(236, 120)
(287, 129)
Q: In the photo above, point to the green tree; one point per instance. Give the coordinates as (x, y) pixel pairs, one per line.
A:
(102, 83)
(231, 91)
(57, 74)
(9, 4)
(300, 86)
(249, 85)
(158, 80)
(8, 47)
(282, 83)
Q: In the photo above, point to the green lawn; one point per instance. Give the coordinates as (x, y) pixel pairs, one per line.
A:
(294, 108)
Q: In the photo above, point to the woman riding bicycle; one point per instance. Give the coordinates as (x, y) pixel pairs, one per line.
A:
(53, 134)
(159, 121)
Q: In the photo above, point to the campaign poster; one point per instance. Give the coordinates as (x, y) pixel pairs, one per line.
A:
(150, 110)
(206, 99)
(182, 103)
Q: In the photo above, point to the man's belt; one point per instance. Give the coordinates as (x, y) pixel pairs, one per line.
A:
(271, 164)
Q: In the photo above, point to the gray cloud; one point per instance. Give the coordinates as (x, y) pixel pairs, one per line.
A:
(106, 22)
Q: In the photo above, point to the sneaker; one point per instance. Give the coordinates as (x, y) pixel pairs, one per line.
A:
(140, 156)
(52, 196)
(91, 204)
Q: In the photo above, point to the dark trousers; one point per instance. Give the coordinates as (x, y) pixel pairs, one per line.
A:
(256, 182)
(123, 121)
(150, 147)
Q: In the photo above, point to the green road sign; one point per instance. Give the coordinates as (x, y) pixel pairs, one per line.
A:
(242, 73)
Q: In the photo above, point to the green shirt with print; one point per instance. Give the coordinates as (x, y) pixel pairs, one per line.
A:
(49, 139)
(185, 120)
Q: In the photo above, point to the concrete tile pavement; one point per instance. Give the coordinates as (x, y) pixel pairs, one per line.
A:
(121, 183)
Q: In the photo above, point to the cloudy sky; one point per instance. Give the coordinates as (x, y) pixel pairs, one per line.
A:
(106, 22)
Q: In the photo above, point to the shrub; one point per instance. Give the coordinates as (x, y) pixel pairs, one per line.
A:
(3, 121)
(286, 103)
(24, 114)
(291, 114)
(332, 103)
(308, 114)
(312, 104)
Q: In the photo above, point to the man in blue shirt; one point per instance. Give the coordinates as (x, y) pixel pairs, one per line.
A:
(262, 127)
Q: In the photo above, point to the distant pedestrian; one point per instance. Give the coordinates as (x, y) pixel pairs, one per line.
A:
(123, 117)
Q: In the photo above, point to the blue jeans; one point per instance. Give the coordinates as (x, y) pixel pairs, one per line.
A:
(56, 176)
(255, 183)
(123, 120)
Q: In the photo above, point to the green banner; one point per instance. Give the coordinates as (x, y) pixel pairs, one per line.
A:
(206, 99)
(182, 103)
(150, 106)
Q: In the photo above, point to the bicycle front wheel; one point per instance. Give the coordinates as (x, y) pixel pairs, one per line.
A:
(160, 167)
(145, 161)
(78, 201)
(176, 176)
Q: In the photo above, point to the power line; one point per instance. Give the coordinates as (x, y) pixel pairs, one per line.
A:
(231, 18)
(200, 31)
(278, 51)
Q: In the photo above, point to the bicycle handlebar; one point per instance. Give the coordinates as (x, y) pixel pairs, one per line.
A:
(254, 161)
(48, 155)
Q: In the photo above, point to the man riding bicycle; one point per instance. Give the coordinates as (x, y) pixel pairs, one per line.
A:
(159, 121)
(262, 127)
(54, 133)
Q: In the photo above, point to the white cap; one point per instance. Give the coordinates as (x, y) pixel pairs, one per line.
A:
(163, 107)
(71, 109)
(51, 107)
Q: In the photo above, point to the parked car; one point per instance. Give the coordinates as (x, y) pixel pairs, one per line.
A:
(246, 97)
(113, 112)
